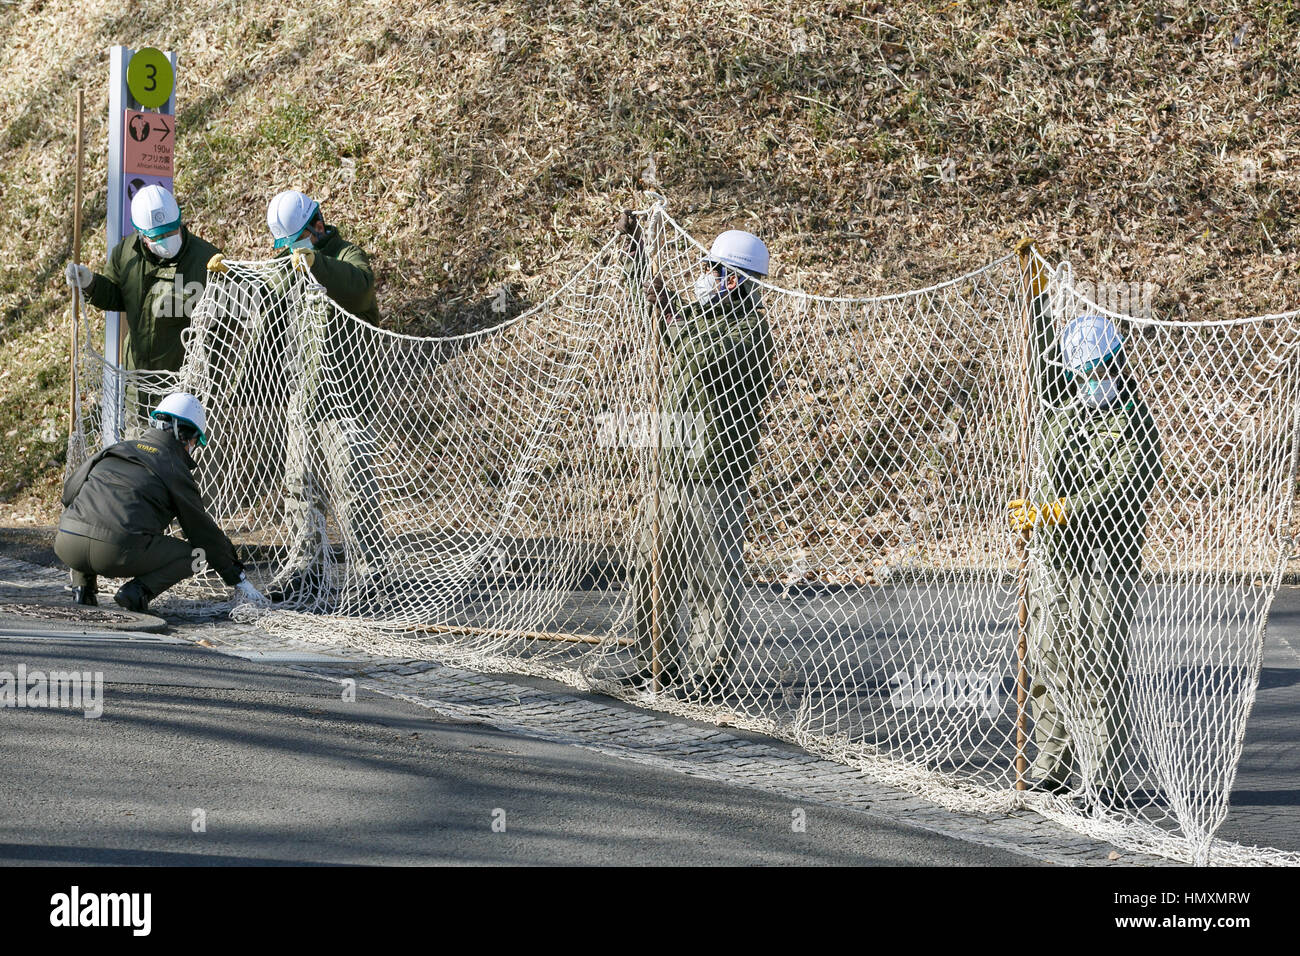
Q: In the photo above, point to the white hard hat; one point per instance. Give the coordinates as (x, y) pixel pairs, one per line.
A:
(1089, 340)
(744, 250)
(184, 407)
(154, 212)
(287, 216)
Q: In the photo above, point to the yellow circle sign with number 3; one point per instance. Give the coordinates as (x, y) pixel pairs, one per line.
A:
(149, 77)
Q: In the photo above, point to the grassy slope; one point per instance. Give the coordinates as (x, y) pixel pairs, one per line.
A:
(468, 146)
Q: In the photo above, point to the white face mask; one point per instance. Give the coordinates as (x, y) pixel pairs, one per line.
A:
(166, 249)
(706, 289)
(1099, 393)
(304, 243)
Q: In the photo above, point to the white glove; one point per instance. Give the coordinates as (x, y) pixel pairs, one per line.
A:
(250, 593)
(78, 276)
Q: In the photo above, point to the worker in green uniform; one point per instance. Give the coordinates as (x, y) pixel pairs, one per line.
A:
(118, 505)
(331, 446)
(717, 358)
(1100, 454)
(154, 277)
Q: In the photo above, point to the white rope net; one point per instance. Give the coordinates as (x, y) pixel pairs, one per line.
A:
(787, 511)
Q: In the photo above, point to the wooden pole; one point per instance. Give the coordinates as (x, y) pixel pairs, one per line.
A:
(656, 566)
(76, 257)
(1031, 286)
(521, 635)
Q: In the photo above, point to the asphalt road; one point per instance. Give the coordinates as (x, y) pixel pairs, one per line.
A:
(287, 772)
(1265, 804)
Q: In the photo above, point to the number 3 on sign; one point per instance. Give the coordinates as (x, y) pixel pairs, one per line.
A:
(149, 77)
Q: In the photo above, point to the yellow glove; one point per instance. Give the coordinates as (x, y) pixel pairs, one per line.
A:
(1053, 513)
(304, 258)
(1022, 515)
(218, 264)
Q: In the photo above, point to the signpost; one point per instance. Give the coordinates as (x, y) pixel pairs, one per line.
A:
(146, 156)
(141, 148)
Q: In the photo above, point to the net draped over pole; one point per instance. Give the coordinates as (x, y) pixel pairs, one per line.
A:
(785, 509)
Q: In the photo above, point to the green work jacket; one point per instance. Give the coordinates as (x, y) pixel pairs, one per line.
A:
(717, 362)
(1104, 463)
(156, 296)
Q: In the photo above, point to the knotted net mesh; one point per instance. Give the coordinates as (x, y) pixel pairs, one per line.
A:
(679, 484)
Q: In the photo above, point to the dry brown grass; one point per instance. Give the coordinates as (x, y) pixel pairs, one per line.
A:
(469, 146)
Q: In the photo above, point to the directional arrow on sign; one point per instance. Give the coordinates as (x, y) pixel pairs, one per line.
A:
(167, 130)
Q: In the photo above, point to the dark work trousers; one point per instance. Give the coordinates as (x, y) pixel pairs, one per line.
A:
(156, 560)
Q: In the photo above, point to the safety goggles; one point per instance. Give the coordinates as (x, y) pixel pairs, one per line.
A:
(285, 241)
(168, 421)
(160, 232)
(1114, 359)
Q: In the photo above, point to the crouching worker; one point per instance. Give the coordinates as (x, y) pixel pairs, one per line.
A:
(118, 506)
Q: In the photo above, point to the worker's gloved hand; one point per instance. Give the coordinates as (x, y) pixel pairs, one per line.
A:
(218, 264)
(657, 291)
(250, 593)
(304, 258)
(1023, 515)
(78, 276)
(1053, 513)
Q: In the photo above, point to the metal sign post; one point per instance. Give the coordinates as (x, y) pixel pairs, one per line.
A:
(148, 160)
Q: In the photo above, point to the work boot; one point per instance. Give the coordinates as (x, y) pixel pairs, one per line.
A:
(134, 596)
(85, 593)
(85, 596)
(1048, 785)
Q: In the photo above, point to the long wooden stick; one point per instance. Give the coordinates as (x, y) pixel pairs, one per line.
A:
(1030, 284)
(76, 257)
(656, 562)
(519, 635)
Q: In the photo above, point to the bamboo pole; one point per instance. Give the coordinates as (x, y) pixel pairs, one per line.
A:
(1031, 286)
(656, 572)
(76, 257)
(519, 635)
